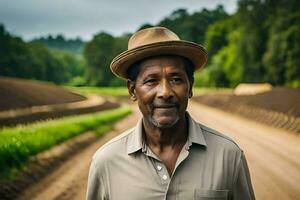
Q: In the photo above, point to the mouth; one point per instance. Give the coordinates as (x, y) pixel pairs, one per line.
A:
(165, 106)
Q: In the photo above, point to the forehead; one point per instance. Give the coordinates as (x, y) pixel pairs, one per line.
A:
(155, 64)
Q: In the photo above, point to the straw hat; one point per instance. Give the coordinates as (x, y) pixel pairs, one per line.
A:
(156, 41)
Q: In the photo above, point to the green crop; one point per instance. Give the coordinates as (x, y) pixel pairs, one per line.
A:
(103, 91)
(19, 143)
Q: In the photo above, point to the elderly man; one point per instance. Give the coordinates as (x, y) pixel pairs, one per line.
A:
(167, 155)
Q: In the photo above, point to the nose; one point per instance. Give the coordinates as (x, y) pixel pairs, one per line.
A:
(165, 90)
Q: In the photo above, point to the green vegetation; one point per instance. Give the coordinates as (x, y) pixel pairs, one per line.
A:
(36, 61)
(122, 91)
(193, 26)
(19, 143)
(59, 42)
(257, 43)
(98, 53)
(103, 91)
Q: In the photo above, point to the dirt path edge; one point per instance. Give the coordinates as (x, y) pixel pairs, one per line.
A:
(44, 163)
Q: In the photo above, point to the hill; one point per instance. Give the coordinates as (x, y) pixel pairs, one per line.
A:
(36, 61)
(21, 93)
(59, 42)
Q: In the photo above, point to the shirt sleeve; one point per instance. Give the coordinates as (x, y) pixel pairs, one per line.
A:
(242, 188)
(96, 185)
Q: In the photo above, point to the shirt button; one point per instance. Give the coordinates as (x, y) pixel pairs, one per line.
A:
(164, 177)
(158, 167)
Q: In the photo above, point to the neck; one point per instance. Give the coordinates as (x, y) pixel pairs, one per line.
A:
(161, 138)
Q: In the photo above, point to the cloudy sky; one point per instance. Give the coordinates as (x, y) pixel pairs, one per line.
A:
(84, 18)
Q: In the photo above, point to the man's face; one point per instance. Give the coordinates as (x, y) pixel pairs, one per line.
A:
(162, 89)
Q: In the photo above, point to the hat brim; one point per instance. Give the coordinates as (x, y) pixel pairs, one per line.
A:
(194, 52)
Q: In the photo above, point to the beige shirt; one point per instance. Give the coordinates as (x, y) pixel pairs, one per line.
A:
(210, 166)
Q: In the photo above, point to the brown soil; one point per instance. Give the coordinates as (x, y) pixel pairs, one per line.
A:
(279, 107)
(25, 101)
(21, 93)
(271, 154)
(69, 179)
(42, 164)
(46, 112)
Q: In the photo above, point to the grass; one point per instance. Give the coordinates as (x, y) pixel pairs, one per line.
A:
(19, 143)
(103, 91)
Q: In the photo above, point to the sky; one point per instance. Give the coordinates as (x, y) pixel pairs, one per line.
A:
(84, 18)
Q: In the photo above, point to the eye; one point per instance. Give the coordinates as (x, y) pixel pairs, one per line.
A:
(177, 79)
(150, 81)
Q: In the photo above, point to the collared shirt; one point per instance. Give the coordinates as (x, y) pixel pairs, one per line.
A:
(209, 166)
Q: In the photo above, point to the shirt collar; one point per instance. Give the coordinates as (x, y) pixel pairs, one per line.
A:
(135, 139)
(195, 132)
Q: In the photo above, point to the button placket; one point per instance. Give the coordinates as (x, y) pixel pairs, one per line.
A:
(162, 172)
(164, 177)
(158, 167)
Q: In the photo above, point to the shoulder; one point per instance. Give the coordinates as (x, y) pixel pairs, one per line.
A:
(218, 140)
(220, 146)
(113, 148)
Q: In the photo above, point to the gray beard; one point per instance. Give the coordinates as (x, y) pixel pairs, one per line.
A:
(158, 125)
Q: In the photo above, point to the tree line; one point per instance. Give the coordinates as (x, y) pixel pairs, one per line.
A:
(59, 42)
(34, 60)
(260, 42)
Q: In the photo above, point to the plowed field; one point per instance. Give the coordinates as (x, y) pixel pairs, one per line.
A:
(21, 93)
(279, 107)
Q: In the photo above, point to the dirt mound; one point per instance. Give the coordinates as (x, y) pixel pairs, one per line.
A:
(279, 107)
(25, 116)
(20, 93)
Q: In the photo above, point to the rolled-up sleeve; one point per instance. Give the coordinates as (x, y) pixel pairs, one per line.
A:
(242, 187)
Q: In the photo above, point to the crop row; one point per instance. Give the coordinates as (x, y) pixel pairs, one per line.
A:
(19, 143)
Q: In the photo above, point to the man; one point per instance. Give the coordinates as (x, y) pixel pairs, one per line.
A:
(167, 155)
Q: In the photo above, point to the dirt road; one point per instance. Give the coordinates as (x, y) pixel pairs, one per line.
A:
(273, 157)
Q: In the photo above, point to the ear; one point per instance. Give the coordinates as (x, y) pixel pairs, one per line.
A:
(131, 89)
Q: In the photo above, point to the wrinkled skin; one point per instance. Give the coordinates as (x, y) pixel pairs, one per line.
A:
(162, 90)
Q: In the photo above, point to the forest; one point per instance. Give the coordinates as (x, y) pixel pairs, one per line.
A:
(260, 42)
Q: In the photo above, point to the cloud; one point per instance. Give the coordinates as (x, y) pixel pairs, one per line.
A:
(84, 18)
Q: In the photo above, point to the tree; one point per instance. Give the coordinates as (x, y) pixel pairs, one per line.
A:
(225, 68)
(216, 36)
(251, 16)
(281, 60)
(144, 26)
(32, 60)
(99, 53)
(59, 42)
(192, 27)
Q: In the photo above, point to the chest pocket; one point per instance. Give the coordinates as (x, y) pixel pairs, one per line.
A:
(201, 194)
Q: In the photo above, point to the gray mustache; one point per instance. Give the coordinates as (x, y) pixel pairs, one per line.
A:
(165, 105)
